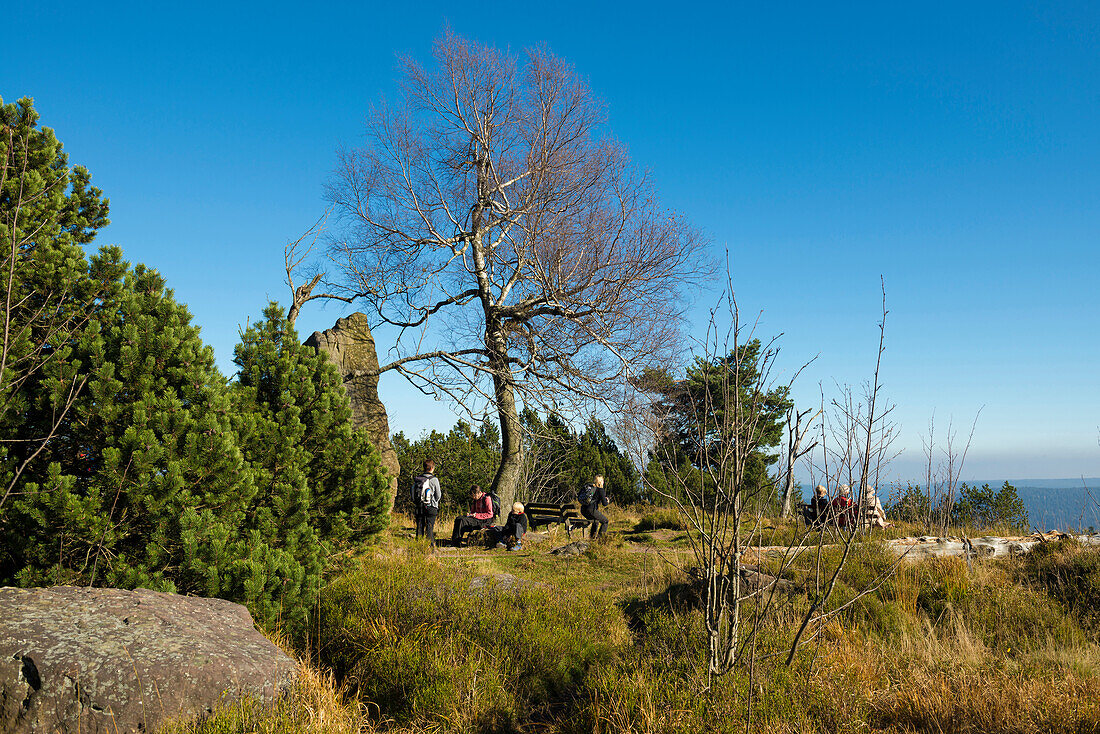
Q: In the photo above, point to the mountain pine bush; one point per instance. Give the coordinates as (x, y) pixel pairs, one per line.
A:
(127, 460)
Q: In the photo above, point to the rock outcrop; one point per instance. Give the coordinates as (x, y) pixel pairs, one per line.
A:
(350, 346)
(76, 659)
(914, 549)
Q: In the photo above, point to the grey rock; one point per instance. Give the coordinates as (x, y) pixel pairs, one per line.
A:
(77, 659)
(576, 548)
(349, 345)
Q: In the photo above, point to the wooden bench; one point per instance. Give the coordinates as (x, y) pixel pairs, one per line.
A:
(548, 513)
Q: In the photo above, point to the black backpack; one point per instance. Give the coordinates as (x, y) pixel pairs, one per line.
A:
(496, 505)
(587, 495)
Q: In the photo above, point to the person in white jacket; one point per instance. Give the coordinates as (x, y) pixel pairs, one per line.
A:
(873, 515)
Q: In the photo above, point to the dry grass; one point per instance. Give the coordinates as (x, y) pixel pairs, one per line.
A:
(612, 641)
(980, 701)
(313, 705)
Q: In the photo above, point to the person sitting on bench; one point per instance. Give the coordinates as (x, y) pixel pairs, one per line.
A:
(843, 511)
(817, 512)
(872, 514)
(480, 515)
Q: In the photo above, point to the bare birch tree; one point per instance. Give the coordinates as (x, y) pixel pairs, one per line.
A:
(518, 252)
(796, 434)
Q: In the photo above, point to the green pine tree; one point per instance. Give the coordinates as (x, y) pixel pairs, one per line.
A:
(47, 212)
(310, 440)
(121, 464)
(144, 484)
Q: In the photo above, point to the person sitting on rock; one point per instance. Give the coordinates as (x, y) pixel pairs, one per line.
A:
(515, 527)
(480, 515)
(842, 507)
(818, 511)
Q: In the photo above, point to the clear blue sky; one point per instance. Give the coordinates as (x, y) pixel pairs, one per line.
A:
(953, 149)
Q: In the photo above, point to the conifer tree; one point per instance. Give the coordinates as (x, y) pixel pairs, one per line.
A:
(144, 484)
(295, 427)
(47, 212)
(119, 455)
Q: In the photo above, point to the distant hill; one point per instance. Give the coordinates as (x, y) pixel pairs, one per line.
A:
(1060, 506)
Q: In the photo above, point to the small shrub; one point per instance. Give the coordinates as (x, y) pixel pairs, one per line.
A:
(942, 583)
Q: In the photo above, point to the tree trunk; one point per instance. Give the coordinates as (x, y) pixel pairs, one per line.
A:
(788, 495)
(507, 480)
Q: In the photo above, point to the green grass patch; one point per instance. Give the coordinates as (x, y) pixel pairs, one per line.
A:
(423, 641)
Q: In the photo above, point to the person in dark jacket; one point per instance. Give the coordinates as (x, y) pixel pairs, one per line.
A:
(592, 510)
(817, 512)
(426, 496)
(515, 527)
(480, 515)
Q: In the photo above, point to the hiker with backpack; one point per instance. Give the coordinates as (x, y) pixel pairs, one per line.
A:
(591, 497)
(426, 494)
(482, 512)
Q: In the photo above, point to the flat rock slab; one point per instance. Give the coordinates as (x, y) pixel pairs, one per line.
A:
(576, 548)
(76, 659)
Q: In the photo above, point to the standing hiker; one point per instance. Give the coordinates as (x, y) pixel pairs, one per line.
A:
(426, 496)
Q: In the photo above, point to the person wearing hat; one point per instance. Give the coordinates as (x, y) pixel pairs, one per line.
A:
(515, 527)
(817, 512)
(842, 506)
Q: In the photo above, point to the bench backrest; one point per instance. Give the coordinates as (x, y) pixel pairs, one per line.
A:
(541, 513)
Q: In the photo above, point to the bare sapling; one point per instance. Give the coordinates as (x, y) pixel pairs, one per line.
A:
(713, 497)
(796, 434)
(941, 482)
(856, 446)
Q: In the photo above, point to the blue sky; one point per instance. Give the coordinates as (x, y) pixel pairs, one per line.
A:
(951, 150)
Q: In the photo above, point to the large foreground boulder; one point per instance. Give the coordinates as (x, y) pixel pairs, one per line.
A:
(349, 345)
(105, 660)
